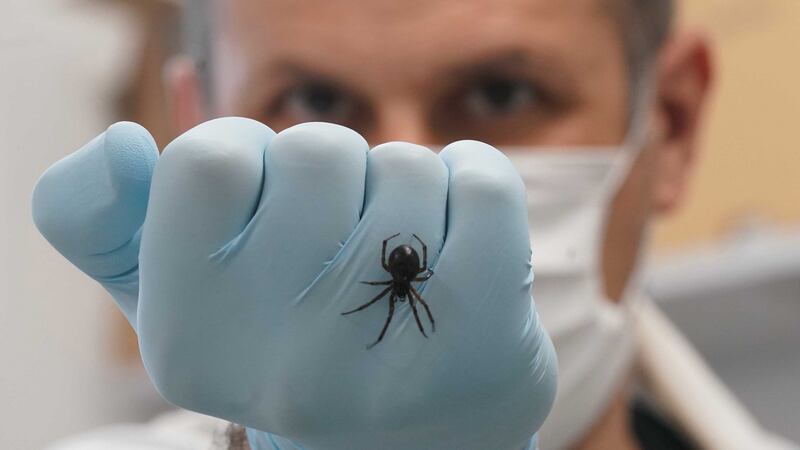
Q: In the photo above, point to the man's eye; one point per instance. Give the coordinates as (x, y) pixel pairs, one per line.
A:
(492, 97)
(318, 102)
(496, 108)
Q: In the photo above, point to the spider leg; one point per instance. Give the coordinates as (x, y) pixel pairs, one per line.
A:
(424, 277)
(416, 315)
(424, 255)
(375, 299)
(388, 319)
(377, 283)
(383, 252)
(419, 297)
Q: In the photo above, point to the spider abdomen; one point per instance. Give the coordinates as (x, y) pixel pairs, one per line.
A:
(403, 263)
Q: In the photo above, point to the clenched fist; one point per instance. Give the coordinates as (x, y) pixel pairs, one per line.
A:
(235, 253)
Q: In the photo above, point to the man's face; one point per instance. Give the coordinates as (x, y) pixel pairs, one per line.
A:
(506, 72)
(501, 71)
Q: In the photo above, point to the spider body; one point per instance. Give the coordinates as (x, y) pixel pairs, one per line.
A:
(404, 266)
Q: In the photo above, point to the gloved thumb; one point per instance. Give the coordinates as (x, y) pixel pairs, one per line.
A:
(91, 204)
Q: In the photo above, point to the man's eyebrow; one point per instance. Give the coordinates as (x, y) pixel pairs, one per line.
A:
(491, 60)
(289, 69)
(294, 69)
(504, 60)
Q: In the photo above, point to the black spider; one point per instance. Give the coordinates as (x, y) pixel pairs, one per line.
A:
(404, 266)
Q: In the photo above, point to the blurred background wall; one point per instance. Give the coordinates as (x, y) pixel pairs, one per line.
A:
(63, 64)
(726, 268)
(748, 168)
(68, 69)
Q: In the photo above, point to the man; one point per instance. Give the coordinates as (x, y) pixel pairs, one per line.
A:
(536, 73)
(518, 72)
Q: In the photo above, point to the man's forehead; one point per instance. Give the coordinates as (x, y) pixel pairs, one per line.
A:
(393, 14)
(417, 29)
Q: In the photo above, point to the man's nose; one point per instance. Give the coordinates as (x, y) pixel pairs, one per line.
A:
(402, 120)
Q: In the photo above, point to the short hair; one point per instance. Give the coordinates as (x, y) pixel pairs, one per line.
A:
(644, 26)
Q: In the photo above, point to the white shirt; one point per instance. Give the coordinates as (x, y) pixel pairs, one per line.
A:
(174, 430)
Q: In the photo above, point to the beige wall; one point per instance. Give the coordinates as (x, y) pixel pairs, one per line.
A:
(62, 63)
(750, 160)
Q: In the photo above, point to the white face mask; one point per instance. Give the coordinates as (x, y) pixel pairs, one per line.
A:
(569, 195)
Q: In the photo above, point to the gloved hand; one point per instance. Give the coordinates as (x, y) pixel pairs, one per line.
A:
(253, 246)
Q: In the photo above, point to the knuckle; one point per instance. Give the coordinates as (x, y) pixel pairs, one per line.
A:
(483, 174)
(489, 187)
(318, 144)
(207, 159)
(408, 159)
(226, 147)
(466, 150)
(402, 152)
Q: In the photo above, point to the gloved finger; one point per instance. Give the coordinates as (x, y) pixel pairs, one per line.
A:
(192, 323)
(90, 205)
(311, 202)
(406, 192)
(205, 190)
(486, 255)
(489, 333)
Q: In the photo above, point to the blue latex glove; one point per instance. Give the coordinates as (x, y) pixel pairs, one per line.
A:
(253, 246)
(91, 206)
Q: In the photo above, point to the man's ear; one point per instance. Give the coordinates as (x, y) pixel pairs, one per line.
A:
(684, 79)
(185, 93)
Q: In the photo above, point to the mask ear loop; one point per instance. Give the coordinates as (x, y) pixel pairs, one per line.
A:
(638, 133)
(633, 146)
